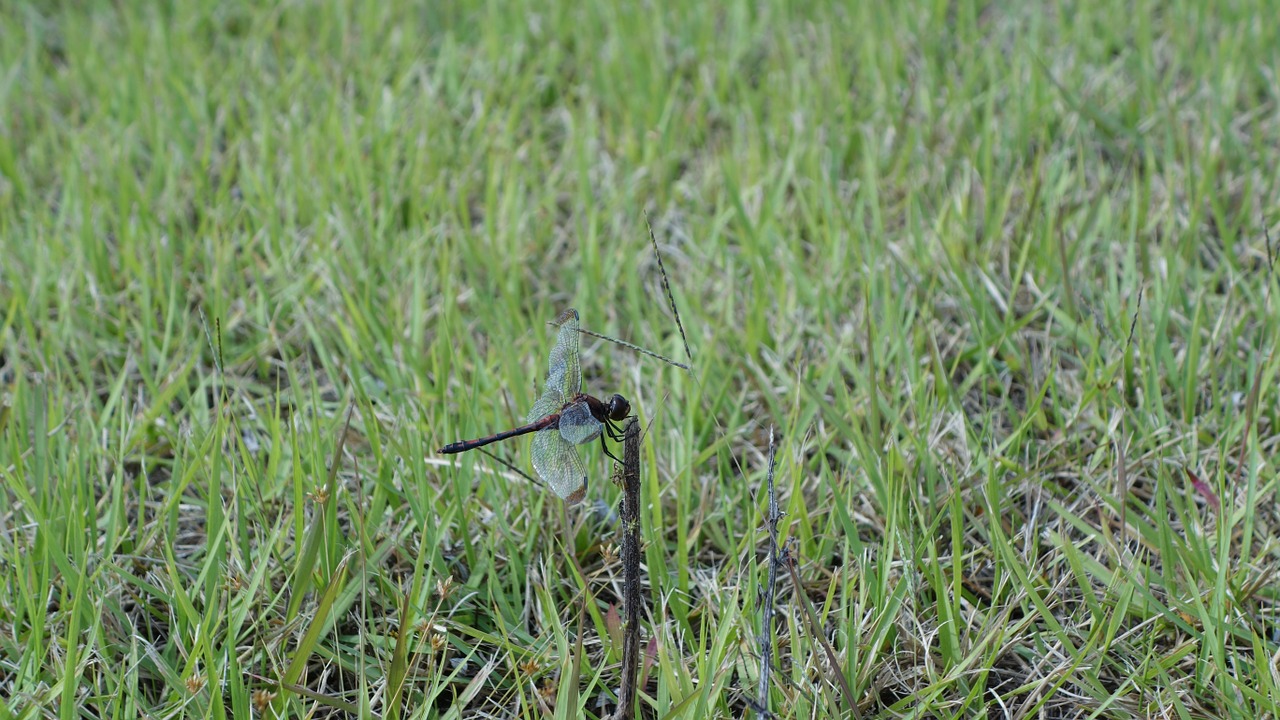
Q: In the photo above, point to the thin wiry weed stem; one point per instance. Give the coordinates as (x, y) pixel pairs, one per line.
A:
(637, 348)
(766, 606)
(667, 286)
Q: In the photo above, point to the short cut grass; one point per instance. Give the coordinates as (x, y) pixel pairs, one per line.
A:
(998, 276)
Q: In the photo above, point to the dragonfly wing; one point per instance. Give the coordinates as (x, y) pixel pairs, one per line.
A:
(559, 465)
(550, 402)
(566, 367)
(578, 425)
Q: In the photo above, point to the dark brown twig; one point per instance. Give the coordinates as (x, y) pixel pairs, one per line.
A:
(630, 569)
(766, 610)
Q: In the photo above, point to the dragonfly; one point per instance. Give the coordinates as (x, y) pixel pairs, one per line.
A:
(562, 419)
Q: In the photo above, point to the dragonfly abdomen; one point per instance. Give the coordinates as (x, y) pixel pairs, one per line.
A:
(540, 424)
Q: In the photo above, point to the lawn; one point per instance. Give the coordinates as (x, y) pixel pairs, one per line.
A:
(997, 278)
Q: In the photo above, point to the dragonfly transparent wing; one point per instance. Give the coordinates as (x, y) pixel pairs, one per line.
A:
(578, 425)
(565, 371)
(555, 457)
(559, 465)
(550, 402)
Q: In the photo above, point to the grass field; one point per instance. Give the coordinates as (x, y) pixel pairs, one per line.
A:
(998, 276)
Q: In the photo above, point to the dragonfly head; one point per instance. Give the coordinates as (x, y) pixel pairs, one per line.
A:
(619, 408)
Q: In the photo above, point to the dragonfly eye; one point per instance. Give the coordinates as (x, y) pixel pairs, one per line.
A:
(619, 408)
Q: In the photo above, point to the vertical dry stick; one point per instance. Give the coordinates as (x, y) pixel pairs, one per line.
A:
(766, 612)
(630, 569)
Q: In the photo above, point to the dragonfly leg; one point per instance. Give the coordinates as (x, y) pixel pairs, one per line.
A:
(615, 434)
(605, 447)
